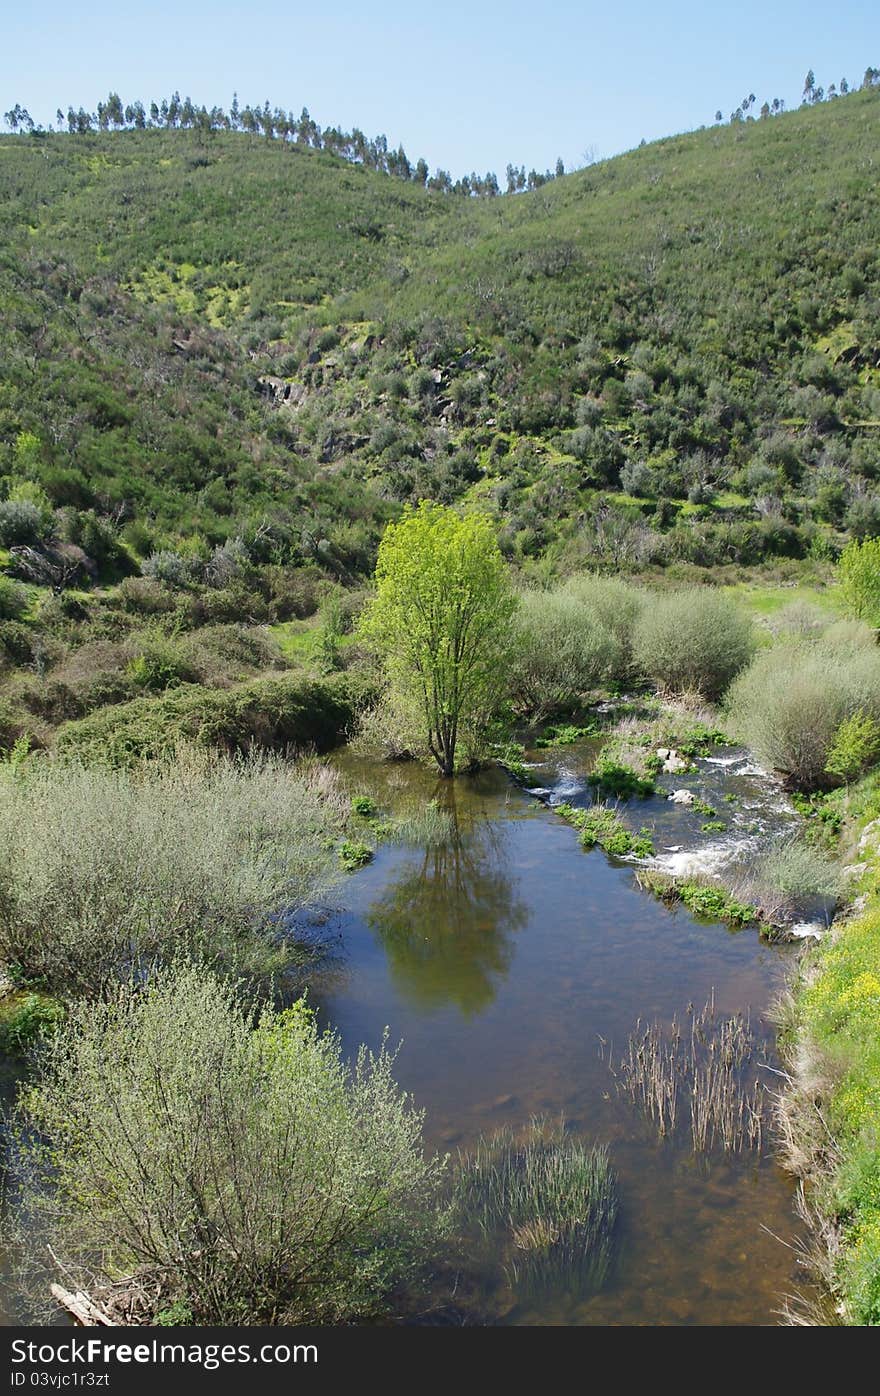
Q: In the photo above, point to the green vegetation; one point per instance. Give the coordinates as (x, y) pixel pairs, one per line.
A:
(25, 1018)
(601, 824)
(708, 900)
(610, 777)
(570, 640)
(859, 573)
(354, 855)
(104, 873)
(790, 704)
(439, 621)
(275, 713)
(693, 641)
(832, 1110)
(547, 1203)
(183, 1153)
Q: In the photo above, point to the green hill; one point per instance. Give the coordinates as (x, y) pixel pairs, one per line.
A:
(670, 356)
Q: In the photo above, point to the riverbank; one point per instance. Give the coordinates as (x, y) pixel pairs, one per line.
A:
(830, 1109)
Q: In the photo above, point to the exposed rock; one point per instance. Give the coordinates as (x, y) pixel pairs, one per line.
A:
(675, 764)
(664, 753)
(682, 797)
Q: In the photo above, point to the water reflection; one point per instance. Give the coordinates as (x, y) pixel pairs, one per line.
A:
(447, 923)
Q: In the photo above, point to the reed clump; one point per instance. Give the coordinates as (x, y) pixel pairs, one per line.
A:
(698, 1077)
(546, 1203)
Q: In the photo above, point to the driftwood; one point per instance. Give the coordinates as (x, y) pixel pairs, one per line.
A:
(81, 1307)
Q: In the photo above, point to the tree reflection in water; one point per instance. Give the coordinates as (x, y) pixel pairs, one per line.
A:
(447, 924)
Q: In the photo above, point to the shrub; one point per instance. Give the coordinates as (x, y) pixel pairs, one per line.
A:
(692, 641)
(145, 596)
(24, 1019)
(103, 872)
(789, 704)
(859, 574)
(13, 599)
(273, 713)
(21, 522)
(616, 606)
(856, 747)
(159, 663)
(169, 567)
(223, 1166)
(560, 651)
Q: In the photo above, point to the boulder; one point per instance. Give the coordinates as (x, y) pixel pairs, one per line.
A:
(682, 797)
(675, 764)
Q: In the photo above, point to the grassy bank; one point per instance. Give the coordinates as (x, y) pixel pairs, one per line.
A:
(831, 1113)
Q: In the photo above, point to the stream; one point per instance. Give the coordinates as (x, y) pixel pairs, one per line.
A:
(511, 965)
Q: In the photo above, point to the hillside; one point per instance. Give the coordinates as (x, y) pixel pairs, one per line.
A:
(670, 356)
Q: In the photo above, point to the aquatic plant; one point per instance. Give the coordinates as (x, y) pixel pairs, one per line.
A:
(698, 1076)
(709, 900)
(611, 777)
(354, 855)
(546, 1203)
(601, 824)
(565, 734)
(511, 755)
(428, 827)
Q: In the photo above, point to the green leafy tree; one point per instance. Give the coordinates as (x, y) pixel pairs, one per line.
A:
(440, 620)
(859, 574)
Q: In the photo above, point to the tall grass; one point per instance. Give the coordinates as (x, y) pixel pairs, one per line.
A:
(546, 1203)
(697, 1077)
(104, 872)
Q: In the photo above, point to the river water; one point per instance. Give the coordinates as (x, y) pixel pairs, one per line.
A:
(511, 964)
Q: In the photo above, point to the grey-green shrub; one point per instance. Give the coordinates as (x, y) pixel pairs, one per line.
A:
(103, 872)
(692, 641)
(235, 1169)
(560, 651)
(616, 605)
(13, 599)
(21, 522)
(789, 704)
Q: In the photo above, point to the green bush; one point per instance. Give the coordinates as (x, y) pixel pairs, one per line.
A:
(692, 641)
(232, 1167)
(790, 703)
(274, 713)
(13, 599)
(103, 872)
(560, 651)
(21, 522)
(25, 1019)
(615, 605)
(856, 746)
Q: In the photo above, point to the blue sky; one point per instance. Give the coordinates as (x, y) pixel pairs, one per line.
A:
(467, 85)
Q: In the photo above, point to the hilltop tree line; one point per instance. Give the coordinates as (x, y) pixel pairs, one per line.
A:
(277, 124)
(812, 94)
